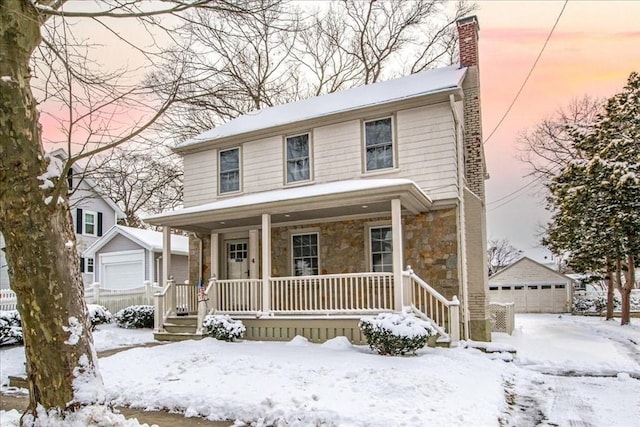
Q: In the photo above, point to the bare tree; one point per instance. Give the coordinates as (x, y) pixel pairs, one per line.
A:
(140, 181)
(36, 222)
(500, 254)
(548, 147)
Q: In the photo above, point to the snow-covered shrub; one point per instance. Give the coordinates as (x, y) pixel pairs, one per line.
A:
(135, 316)
(98, 315)
(223, 327)
(395, 333)
(10, 327)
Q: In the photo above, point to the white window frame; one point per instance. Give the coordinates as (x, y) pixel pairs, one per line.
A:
(293, 258)
(84, 223)
(393, 143)
(369, 240)
(220, 172)
(309, 157)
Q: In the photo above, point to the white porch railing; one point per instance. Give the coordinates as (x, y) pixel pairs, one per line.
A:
(164, 305)
(8, 300)
(237, 296)
(332, 294)
(426, 302)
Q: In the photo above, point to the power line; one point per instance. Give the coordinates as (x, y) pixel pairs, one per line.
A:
(529, 74)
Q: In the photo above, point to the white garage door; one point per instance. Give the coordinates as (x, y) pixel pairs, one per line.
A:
(122, 270)
(531, 298)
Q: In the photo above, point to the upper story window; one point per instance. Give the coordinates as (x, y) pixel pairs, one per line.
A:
(298, 159)
(378, 140)
(381, 239)
(304, 248)
(229, 162)
(90, 223)
(70, 179)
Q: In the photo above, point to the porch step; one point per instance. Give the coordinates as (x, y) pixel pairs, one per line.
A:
(190, 320)
(176, 336)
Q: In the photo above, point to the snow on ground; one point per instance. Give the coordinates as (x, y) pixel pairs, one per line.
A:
(336, 384)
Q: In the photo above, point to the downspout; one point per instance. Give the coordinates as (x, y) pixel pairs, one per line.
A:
(462, 248)
(200, 266)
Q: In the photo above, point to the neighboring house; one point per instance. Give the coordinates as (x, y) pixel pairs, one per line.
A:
(125, 257)
(92, 216)
(317, 207)
(533, 287)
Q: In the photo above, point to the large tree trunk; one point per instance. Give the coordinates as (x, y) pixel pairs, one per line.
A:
(40, 242)
(625, 291)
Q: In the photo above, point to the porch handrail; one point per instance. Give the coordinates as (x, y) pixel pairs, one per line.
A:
(444, 315)
(205, 295)
(241, 296)
(162, 305)
(349, 293)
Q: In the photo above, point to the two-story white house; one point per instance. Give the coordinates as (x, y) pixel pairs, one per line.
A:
(92, 214)
(308, 215)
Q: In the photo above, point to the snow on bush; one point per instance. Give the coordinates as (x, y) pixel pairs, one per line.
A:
(598, 304)
(223, 327)
(135, 316)
(395, 333)
(10, 327)
(98, 315)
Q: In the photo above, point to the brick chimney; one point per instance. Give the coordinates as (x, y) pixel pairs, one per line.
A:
(475, 167)
(468, 41)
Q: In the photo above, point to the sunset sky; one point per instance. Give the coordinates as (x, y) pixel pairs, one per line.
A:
(593, 49)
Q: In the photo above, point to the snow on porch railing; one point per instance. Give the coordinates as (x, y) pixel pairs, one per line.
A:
(332, 293)
(443, 314)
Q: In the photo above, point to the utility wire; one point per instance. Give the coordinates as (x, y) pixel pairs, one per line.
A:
(529, 74)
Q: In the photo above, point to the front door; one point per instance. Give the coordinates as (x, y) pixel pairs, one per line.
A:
(237, 259)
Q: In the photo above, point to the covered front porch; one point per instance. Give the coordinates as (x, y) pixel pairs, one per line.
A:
(272, 259)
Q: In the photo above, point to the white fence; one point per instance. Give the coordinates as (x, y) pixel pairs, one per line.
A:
(113, 299)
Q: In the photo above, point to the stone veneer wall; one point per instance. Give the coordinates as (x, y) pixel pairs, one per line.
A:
(430, 241)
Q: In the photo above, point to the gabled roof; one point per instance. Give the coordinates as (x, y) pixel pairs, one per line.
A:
(59, 155)
(525, 259)
(148, 239)
(412, 86)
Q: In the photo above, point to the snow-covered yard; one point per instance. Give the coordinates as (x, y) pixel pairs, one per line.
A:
(336, 384)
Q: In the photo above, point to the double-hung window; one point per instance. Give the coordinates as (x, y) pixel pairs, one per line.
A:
(298, 165)
(89, 265)
(378, 141)
(229, 163)
(90, 226)
(304, 248)
(381, 239)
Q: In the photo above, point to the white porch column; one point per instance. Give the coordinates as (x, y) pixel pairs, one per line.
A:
(253, 254)
(396, 227)
(215, 258)
(166, 253)
(266, 262)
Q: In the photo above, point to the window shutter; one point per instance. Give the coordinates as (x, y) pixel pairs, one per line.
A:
(99, 224)
(79, 221)
(81, 265)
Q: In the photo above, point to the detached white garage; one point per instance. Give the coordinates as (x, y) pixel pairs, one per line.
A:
(532, 287)
(126, 257)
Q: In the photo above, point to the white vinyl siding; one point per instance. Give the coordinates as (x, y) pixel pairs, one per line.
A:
(425, 149)
(230, 173)
(200, 178)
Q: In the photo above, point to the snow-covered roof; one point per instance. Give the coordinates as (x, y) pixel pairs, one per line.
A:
(415, 85)
(335, 188)
(149, 239)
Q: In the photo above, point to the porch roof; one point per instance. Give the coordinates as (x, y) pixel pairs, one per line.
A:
(363, 197)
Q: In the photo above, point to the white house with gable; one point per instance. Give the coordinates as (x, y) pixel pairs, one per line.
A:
(306, 216)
